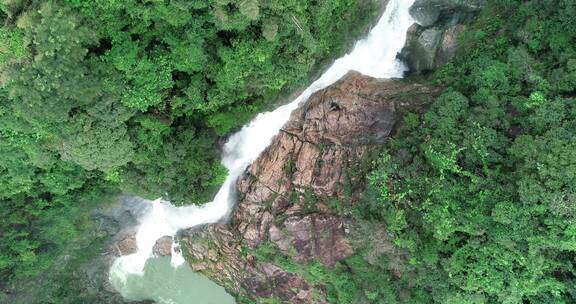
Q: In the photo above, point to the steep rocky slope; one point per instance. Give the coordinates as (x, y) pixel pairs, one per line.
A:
(293, 200)
(290, 196)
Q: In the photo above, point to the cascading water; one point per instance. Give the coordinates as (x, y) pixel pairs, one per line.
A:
(374, 56)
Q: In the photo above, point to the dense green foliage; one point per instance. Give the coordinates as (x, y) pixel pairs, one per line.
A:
(142, 98)
(337, 281)
(480, 192)
(478, 195)
(100, 96)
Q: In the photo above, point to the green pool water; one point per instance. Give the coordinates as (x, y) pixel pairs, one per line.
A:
(168, 285)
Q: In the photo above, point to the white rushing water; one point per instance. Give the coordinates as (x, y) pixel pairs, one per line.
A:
(374, 56)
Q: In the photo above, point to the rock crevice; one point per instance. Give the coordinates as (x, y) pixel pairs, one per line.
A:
(283, 212)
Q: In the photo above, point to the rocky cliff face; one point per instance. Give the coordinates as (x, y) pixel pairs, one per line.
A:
(290, 196)
(432, 41)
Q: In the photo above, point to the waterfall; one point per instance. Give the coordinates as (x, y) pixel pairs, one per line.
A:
(375, 56)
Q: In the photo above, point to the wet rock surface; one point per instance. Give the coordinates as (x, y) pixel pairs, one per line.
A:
(431, 42)
(163, 246)
(125, 245)
(450, 12)
(429, 48)
(284, 196)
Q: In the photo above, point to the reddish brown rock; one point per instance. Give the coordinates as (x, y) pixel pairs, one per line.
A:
(348, 113)
(163, 246)
(125, 245)
(283, 196)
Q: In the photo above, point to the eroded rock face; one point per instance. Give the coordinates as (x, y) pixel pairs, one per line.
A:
(431, 42)
(430, 12)
(125, 245)
(427, 49)
(163, 246)
(285, 194)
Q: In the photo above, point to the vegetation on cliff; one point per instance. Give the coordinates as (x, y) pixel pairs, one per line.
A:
(480, 192)
(473, 200)
(100, 96)
(478, 195)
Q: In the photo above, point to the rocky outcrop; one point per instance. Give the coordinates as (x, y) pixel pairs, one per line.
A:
(163, 246)
(448, 12)
(431, 42)
(125, 245)
(285, 214)
(429, 48)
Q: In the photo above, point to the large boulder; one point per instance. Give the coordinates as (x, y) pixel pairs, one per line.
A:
(432, 41)
(125, 245)
(163, 246)
(284, 196)
(421, 48)
(448, 12)
(427, 49)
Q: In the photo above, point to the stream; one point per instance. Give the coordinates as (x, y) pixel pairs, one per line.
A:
(170, 281)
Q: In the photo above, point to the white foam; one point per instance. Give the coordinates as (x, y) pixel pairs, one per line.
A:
(176, 254)
(374, 56)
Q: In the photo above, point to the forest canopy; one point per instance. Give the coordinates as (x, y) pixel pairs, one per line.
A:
(139, 90)
(480, 191)
(134, 96)
(477, 193)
